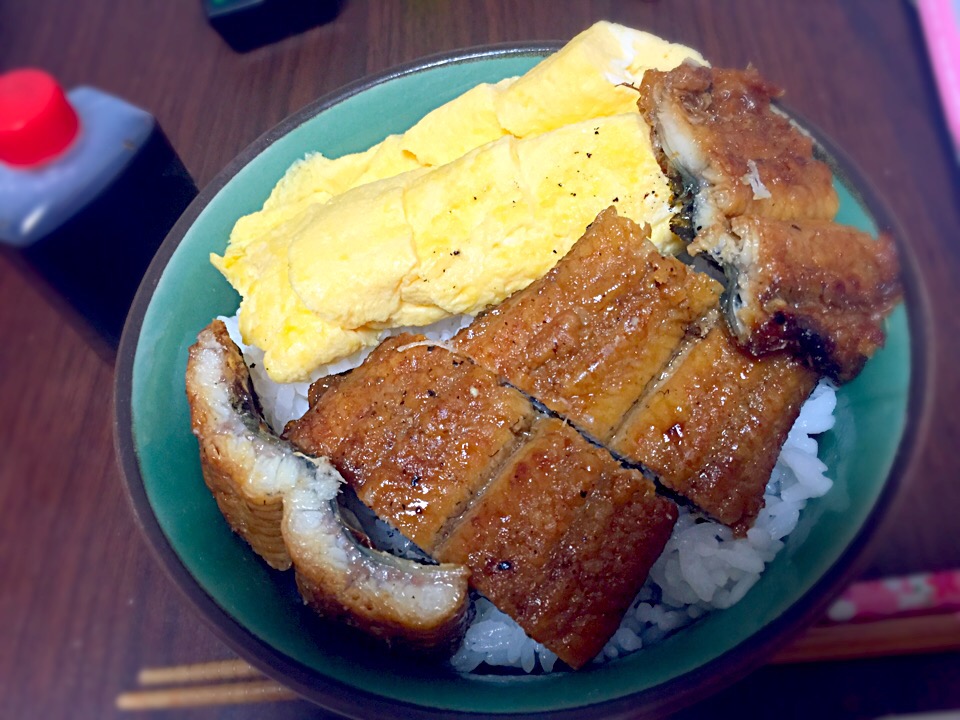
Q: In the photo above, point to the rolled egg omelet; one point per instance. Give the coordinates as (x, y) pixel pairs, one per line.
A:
(477, 200)
(492, 222)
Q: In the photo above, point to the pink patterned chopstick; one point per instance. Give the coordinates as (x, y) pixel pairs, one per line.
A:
(940, 20)
(920, 594)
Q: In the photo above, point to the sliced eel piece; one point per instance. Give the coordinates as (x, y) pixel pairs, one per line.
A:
(417, 431)
(285, 505)
(711, 429)
(562, 540)
(599, 566)
(403, 602)
(247, 468)
(729, 153)
(465, 467)
(586, 338)
(816, 289)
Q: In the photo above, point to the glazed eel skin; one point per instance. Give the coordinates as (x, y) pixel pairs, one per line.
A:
(729, 153)
(588, 337)
(613, 339)
(284, 503)
(555, 532)
(818, 290)
(760, 205)
(712, 426)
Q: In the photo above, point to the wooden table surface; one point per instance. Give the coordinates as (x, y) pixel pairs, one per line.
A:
(84, 603)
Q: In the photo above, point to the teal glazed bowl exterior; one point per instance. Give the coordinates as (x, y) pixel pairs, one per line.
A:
(257, 611)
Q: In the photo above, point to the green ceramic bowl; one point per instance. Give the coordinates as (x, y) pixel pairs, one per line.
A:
(257, 610)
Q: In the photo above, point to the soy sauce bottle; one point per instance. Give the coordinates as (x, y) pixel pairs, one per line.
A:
(89, 187)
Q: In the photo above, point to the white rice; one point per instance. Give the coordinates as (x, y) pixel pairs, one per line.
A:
(702, 568)
(283, 402)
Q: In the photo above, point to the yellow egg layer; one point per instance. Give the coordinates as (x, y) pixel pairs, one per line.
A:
(477, 200)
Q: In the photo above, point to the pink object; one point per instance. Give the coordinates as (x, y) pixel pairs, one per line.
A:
(924, 593)
(940, 20)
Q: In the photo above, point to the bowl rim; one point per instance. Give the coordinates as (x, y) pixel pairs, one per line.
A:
(671, 695)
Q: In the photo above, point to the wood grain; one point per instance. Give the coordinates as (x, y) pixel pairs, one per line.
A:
(85, 605)
(878, 639)
(254, 692)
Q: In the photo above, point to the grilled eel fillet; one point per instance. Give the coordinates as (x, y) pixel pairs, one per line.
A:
(588, 337)
(613, 339)
(760, 204)
(555, 532)
(729, 153)
(712, 426)
(816, 289)
(415, 431)
(562, 540)
(226, 418)
(285, 505)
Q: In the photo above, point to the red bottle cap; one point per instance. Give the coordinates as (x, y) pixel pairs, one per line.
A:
(37, 121)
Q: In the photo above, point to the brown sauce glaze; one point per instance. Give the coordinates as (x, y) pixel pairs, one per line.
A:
(712, 429)
(587, 337)
(416, 431)
(816, 289)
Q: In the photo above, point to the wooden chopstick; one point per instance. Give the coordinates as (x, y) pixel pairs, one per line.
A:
(881, 638)
(256, 691)
(823, 643)
(197, 672)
